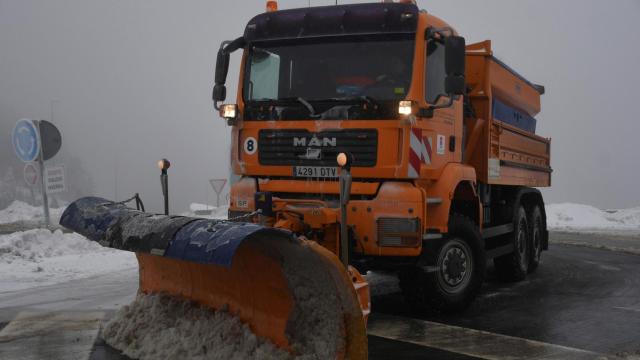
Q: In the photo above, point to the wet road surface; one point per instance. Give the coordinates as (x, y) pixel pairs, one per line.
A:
(579, 297)
(581, 303)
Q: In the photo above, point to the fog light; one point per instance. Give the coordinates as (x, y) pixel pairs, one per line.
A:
(229, 111)
(272, 6)
(399, 232)
(163, 164)
(404, 108)
(342, 159)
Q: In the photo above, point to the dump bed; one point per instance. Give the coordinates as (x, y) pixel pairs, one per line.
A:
(500, 126)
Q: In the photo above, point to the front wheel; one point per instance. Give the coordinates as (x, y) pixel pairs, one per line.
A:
(454, 273)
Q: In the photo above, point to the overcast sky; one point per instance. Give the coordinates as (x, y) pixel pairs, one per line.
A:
(129, 82)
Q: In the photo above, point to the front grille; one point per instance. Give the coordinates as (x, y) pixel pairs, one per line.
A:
(301, 147)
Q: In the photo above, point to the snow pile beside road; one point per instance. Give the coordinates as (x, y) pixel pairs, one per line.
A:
(585, 218)
(163, 327)
(21, 211)
(40, 257)
(207, 211)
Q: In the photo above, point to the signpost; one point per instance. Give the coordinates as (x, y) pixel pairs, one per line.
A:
(50, 138)
(31, 174)
(26, 141)
(218, 185)
(54, 179)
(41, 140)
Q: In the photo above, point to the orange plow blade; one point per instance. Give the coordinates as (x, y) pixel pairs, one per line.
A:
(291, 291)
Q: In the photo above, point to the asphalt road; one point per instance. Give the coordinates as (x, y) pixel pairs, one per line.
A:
(582, 302)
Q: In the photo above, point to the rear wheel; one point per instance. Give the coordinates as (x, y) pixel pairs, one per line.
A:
(454, 273)
(514, 266)
(536, 234)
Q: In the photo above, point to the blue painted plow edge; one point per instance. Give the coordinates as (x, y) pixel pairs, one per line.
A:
(198, 240)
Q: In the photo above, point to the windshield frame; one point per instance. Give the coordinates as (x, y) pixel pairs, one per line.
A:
(406, 36)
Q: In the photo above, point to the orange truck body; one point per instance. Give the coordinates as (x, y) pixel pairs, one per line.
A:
(426, 164)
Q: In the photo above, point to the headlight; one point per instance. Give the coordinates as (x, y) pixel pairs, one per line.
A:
(404, 108)
(400, 232)
(229, 111)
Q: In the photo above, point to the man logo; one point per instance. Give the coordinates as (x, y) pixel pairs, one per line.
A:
(314, 141)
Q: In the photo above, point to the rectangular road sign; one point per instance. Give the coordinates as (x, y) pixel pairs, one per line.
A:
(54, 180)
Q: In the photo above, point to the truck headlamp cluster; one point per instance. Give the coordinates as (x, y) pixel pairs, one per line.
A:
(399, 232)
(404, 107)
(229, 111)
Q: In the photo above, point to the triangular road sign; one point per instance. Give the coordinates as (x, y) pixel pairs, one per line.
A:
(218, 184)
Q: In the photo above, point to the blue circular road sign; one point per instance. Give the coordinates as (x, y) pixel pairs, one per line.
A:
(26, 141)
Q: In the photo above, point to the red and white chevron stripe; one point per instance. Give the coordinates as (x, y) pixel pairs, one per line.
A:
(419, 152)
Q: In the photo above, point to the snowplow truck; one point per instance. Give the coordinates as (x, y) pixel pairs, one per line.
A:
(364, 137)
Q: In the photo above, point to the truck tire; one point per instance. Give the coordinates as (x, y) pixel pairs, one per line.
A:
(536, 235)
(455, 272)
(514, 266)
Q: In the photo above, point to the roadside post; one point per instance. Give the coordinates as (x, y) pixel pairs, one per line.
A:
(164, 164)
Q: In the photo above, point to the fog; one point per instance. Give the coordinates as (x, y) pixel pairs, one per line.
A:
(129, 82)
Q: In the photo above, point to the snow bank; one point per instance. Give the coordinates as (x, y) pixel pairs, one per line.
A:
(163, 327)
(41, 257)
(21, 211)
(577, 217)
(207, 211)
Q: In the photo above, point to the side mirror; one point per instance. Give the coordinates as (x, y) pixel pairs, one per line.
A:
(222, 67)
(454, 64)
(219, 92)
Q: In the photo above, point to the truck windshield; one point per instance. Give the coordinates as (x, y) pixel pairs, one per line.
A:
(320, 74)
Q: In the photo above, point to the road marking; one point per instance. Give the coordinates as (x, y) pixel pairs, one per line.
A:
(476, 343)
(627, 308)
(52, 335)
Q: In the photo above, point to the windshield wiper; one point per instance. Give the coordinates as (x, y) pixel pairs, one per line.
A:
(312, 111)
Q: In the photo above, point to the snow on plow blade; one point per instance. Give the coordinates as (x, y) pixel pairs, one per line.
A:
(291, 291)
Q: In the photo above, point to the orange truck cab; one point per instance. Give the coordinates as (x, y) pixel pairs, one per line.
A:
(440, 136)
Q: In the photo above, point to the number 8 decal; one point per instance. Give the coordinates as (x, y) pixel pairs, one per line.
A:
(250, 145)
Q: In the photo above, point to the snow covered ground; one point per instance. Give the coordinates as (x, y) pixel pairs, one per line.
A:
(21, 211)
(584, 218)
(41, 257)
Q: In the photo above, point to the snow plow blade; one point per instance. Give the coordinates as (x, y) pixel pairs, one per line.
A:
(291, 291)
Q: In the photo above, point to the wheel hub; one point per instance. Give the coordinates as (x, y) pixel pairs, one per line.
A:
(454, 266)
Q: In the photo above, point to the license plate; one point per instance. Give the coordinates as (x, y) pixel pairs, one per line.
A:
(315, 171)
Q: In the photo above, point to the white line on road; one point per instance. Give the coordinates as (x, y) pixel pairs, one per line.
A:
(476, 343)
(627, 308)
(51, 335)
